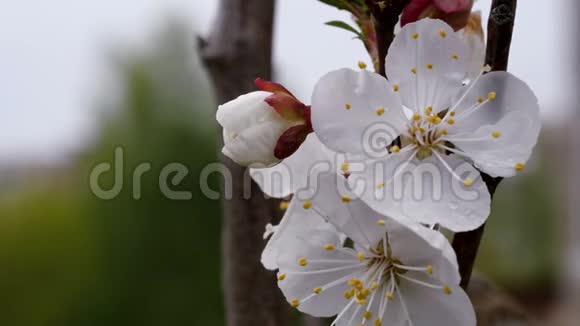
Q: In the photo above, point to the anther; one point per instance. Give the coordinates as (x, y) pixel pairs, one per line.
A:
(284, 205)
(444, 132)
(281, 277)
(395, 149)
(455, 56)
(317, 290)
(378, 322)
(416, 35)
(367, 315)
(486, 68)
(380, 185)
(295, 303)
(328, 247)
(381, 222)
(450, 121)
(414, 70)
(344, 167)
(347, 106)
(360, 256)
(519, 166)
(428, 110)
(480, 99)
(447, 290)
(302, 261)
(362, 65)
(380, 111)
(429, 66)
(496, 134)
(346, 199)
(396, 88)
(468, 182)
(416, 117)
(389, 296)
(442, 33)
(307, 204)
(430, 269)
(491, 96)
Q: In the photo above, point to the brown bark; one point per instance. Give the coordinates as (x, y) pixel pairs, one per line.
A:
(238, 50)
(500, 29)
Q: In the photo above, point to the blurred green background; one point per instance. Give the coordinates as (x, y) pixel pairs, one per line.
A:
(70, 258)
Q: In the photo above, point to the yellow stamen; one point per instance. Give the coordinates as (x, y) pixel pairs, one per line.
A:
(362, 65)
(416, 35)
(380, 111)
(429, 269)
(444, 131)
(429, 66)
(442, 33)
(374, 286)
(416, 117)
(347, 106)
(389, 296)
(491, 96)
(480, 99)
(382, 222)
(450, 121)
(455, 56)
(281, 277)
(519, 166)
(344, 167)
(347, 295)
(428, 110)
(378, 322)
(346, 199)
(302, 261)
(396, 88)
(367, 315)
(284, 205)
(380, 185)
(496, 134)
(452, 113)
(468, 182)
(317, 290)
(328, 247)
(307, 204)
(395, 149)
(295, 303)
(360, 256)
(414, 70)
(447, 290)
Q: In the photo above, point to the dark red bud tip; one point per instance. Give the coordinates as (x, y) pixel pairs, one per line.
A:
(287, 106)
(268, 86)
(290, 141)
(413, 11)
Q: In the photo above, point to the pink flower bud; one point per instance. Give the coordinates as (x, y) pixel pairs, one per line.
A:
(453, 12)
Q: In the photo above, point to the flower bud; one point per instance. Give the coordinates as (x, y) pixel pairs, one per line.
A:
(453, 12)
(261, 128)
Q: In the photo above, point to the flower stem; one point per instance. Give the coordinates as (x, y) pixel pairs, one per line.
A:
(500, 29)
(385, 18)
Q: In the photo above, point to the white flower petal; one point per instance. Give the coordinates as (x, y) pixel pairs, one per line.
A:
(331, 198)
(426, 191)
(294, 172)
(429, 307)
(346, 103)
(428, 61)
(328, 270)
(513, 117)
(296, 222)
(417, 245)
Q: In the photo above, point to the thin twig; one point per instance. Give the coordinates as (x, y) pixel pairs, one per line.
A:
(385, 18)
(500, 29)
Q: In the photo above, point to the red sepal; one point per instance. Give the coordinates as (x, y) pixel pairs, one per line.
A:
(290, 141)
(288, 107)
(268, 86)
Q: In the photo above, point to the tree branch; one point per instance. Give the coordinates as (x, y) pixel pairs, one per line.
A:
(238, 50)
(499, 36)
(385, 18)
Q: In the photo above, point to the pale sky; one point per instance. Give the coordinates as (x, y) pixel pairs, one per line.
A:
(54, 59)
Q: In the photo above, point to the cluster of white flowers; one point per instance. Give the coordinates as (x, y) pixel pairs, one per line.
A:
(360, 238)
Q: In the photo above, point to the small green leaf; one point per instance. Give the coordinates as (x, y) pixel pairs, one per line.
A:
(343, 25)
(340, 4)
